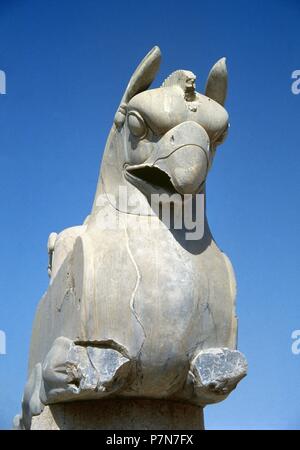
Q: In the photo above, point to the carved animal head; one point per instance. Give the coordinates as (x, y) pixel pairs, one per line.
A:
(164, 140)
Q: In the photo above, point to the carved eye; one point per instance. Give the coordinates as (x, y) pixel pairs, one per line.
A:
(137, 125)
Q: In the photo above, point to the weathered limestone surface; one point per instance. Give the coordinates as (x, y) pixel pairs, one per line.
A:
(120, 414)
(140, 303)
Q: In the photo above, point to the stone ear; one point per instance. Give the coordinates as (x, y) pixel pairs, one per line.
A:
(141, 79)
(216, 84)
(143, 75)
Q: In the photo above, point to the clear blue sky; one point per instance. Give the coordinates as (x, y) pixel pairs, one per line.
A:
(67, 64)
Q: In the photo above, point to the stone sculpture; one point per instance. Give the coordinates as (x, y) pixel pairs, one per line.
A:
(136, 308)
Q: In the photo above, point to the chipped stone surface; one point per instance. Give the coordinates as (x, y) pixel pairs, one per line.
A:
(216, 373)
(73, 371)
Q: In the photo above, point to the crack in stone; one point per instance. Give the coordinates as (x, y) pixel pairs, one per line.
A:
(139, 372)
(207, 308)
(116, 208)
(197, 347)
(132, 300)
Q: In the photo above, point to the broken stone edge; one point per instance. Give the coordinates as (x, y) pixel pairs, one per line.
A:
(72, 372)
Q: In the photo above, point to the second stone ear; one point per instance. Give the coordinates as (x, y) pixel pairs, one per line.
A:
(217, 80)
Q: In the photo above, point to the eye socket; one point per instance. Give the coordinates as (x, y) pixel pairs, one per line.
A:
(137, 125)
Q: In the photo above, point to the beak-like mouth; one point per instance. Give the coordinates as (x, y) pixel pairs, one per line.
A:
(158, 179)
(183, 171)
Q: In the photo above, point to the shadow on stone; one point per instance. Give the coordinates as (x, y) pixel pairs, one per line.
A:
(120, 414)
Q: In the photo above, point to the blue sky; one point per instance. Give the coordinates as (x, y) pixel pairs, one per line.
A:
(67, 64)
